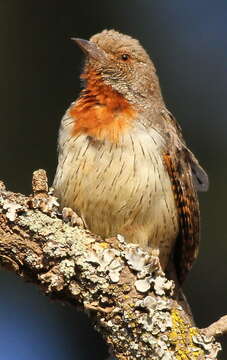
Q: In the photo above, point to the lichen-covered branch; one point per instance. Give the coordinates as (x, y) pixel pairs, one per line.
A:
(134, 305)
(218, 328)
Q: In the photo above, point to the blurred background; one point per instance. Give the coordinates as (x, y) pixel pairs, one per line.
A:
(39, 72)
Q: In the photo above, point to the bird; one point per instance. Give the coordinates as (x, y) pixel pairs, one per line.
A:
(123, 164)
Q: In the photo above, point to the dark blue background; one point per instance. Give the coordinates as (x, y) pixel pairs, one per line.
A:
(39, 69)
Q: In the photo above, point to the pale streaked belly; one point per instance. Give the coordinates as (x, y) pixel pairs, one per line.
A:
(120, 189)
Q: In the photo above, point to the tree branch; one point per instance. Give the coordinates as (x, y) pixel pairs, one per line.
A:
(135, 307)
(218, 328)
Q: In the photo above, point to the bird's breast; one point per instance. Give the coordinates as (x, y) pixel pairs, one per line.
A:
(101, 112)
(118, 188)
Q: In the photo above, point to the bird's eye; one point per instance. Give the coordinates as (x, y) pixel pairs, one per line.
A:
(125, 57)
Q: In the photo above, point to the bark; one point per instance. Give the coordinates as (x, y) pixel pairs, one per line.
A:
(136, 308)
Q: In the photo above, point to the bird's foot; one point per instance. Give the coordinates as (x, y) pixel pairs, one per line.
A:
(70, 217)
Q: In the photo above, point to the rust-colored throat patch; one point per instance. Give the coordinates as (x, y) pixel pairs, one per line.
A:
(101, 112)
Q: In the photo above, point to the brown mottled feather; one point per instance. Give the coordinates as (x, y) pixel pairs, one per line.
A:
(187, 177)
(187, 244)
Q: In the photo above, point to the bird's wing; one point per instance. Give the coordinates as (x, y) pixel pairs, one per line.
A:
(199, 175)
(187, 244)
(187, 177)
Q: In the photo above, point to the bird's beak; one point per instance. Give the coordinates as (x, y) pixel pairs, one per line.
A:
(90, 49)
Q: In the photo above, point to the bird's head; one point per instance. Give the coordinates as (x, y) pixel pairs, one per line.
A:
(121, 62)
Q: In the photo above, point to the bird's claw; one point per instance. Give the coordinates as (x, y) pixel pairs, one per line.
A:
(70, 217)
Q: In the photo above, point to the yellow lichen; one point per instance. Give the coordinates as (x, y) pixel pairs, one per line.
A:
(181, 338)
(104, 245)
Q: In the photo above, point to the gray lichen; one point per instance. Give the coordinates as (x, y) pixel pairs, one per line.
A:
(67, 269)
(143, 285)
(162, 285)
(11, 210)
(121, 284)
(33, 260)
(210, 347)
